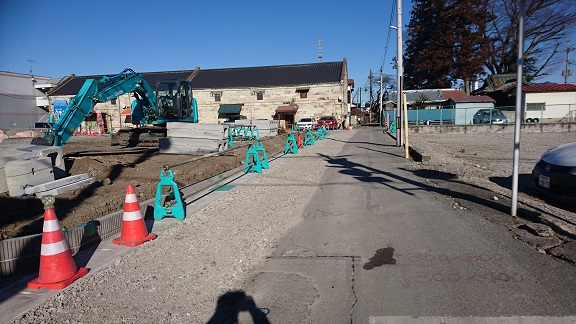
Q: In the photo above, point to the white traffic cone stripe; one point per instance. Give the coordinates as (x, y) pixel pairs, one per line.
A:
(130, 199)
(132, 216)
(54, 248)
(51, 225)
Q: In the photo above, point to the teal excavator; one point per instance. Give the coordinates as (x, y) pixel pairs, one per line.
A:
(172, 101)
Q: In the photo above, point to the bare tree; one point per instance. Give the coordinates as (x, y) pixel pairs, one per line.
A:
(548, 24)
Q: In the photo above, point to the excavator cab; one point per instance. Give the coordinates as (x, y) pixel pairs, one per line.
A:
(173, 100)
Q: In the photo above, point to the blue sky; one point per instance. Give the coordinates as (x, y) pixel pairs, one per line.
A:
(105, 37)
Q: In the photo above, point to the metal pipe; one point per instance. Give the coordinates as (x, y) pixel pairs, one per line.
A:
(519, 79)
(399, 86)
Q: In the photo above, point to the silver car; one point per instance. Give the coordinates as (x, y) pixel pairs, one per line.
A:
(489, 116)
(555, 173)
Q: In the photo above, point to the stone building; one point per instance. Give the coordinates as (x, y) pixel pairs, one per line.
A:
(284, 92)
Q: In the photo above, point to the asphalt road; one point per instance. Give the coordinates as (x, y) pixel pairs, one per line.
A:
(377, 245)
(342, 232)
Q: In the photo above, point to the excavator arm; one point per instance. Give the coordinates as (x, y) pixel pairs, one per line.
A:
(104, 90)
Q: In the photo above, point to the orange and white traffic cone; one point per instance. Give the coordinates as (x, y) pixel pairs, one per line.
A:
(57, 267)
(299, 141)
(134, 231)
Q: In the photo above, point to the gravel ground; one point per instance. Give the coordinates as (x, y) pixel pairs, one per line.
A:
(485, 160)
(179, 277)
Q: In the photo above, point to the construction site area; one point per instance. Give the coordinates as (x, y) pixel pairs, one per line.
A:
(113, 167)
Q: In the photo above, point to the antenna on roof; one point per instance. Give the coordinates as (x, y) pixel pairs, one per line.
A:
(320, 50)
(566, 73)
(31, 61)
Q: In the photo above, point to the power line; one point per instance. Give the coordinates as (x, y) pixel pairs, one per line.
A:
(392, 12)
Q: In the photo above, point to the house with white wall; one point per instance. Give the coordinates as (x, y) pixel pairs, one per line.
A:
(549, 103)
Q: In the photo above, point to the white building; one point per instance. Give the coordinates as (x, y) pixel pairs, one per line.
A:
(549, 102)
(21, 101)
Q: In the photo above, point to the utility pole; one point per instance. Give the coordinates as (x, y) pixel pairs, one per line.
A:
(381, 94)
(566, 73)
(399, 71)
(319, 50)
(370, 79)
(31, 75)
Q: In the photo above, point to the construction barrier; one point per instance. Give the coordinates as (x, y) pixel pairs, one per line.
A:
(253, 163)
(167, 193)
(308, 138)
(291, 145)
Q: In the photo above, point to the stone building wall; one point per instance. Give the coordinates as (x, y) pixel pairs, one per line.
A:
(321, 100)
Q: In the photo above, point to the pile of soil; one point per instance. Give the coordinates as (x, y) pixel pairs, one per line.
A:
(114, 168)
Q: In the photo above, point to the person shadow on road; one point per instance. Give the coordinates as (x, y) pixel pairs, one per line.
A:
(230, 305)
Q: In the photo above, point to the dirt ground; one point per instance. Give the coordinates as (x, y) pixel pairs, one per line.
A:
(114, 167)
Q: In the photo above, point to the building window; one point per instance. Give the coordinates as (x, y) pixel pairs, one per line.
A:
(303, 92)
(260, 95)
(217, 95)
(539, 106)
(113, 101)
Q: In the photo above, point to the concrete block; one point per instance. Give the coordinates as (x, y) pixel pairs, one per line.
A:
(55, 153)
(14, 142)
(7, 155)
(12, 154)
(199, 133)
(21, 173)
(68, 187)
(192, 146)
(56, 183)
(196, 130)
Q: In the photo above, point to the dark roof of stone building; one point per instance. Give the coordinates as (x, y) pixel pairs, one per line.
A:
(248, 77)
(269, 76)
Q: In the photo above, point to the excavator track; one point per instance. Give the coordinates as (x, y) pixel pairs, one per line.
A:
(139, 137)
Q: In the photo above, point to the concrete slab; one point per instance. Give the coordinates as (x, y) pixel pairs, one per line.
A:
(7, 155)
(56, 183)
(196, 126)
(11, 154)
(199, 133)
(63, 189)
(56, 153)
(20, 173)
(60, 186)
(194, 146)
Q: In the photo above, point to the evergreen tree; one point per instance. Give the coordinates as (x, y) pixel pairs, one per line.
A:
(470, 43)
(446, 42)
(427, 58)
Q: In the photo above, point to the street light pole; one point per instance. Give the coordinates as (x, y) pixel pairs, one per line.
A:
(399, 71)
(381, 94)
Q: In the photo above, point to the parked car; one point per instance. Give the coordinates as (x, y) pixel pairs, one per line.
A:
(555, 173)
(307, 123)
(489, 116)
(328, 120)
